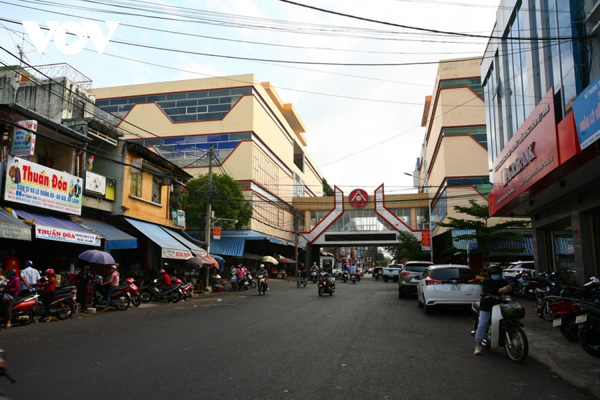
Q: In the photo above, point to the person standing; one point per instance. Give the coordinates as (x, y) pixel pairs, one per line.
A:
(113, 285)
(29, 276)
(48, 283)
(83, 282)
(12, 289)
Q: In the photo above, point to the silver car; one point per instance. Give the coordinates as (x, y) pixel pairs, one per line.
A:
(517, 268)
(406, 282)
(447, 284)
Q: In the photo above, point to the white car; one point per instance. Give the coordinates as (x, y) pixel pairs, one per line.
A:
(447, 284)
(517, 267)
(391, 272)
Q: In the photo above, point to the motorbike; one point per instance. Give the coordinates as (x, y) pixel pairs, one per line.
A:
(301, 280)
(566, 311)
(119, 299)
(528, 285)
(133, 292)
(353, 278)
(313, 276)
(186, 289)
(326, 285)
(506, 329)
(589, 330)
(345, 276)
(246, 282)
(262, 285)
(62, 305)
(24, 310)
(153, 293)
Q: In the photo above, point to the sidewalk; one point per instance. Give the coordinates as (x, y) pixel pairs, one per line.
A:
(565, 359)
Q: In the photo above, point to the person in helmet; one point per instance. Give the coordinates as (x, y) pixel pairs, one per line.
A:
(166, 280)
(113, 285)
(29, 276)
(492, 288)
(12, 289)
(48, 283)
(262, 271)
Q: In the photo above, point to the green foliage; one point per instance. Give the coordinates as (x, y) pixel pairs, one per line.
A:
(327, 190)
(409, 247)
(227, 202)
(484, 234)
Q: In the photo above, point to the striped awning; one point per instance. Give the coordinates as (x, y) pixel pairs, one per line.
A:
(59, 229)
(171, 248)
(115, 238)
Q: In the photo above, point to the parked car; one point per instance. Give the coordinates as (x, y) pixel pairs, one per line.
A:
(391, 272)
(518, 267)
(406, 282)
(447, 284)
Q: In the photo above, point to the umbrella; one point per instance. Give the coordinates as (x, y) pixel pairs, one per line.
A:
(200, 260)
(269, 259)
(97, 257)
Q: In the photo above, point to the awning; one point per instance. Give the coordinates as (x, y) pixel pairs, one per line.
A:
(12, 228)
(59, 229)
(171, 248)
(232, 242)
(115, 238)
(188, 243)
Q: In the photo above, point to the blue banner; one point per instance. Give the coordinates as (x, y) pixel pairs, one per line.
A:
(586, 110)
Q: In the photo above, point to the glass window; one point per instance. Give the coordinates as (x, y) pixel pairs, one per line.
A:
(156, 189)
(136, 184)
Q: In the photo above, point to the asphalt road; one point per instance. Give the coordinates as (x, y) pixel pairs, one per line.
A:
(361, 343)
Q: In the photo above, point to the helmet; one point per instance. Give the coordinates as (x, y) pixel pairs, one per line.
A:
(11, 273)
(113, 267)
(494, 270)
(28, 263)
(129, 280)
(49, 271)
(162, 270)
(262, 265)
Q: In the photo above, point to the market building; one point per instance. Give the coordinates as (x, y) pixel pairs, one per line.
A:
(540, 79)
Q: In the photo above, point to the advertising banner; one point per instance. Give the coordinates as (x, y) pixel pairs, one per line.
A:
(65, 235)
(39, 186)
(586, 110)
(23, 143)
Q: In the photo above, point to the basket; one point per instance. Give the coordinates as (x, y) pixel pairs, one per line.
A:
(513, 311)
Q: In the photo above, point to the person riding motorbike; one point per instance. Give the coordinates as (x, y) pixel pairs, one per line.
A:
(492, 288)
(263, 272)
(166, 280)
(301, 271)
(314, 267)
(48, 283)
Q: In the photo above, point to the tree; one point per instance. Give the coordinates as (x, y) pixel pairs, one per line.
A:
(227, 202)
(327, 190)
(409, 247)
(484, 234)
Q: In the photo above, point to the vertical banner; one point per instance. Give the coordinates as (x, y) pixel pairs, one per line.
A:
(23, 143)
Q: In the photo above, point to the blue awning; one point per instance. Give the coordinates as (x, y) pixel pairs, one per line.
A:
(228, 246)
(59, 229)
(12, 228)
(188, 243)
(115, 238)
(171, 248)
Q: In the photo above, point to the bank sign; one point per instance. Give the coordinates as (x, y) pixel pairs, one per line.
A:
(528, 156)
(39, 186)
(586, 110)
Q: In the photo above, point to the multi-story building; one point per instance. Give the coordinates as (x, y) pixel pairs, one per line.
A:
(256, 139)
(540, 79)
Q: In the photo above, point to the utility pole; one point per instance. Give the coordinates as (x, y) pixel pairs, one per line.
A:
(209, 209)
(296, 240)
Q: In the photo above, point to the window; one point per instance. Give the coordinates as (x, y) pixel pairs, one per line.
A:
(136, 184)
(156, 189)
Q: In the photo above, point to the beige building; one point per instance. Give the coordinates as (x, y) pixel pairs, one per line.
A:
(257, 139)
(453, 164)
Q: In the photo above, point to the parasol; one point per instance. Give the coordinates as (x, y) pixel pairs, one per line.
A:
(97, 257)
(269, 259)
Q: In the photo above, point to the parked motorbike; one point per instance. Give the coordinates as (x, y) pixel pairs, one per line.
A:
(326, 285)
(133, 292)
(186, 289)
(24, 310)
(153, 293)
(119, 299)
(506, 329)
(566, 311)
(313, 276)
(62, 305)
(262, 285)
(589, 331)
(345, 276)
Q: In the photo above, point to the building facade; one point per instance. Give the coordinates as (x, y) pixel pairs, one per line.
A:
(539, 75)
(256, 139)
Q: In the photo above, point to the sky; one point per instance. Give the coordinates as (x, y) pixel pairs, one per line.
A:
(356, 71)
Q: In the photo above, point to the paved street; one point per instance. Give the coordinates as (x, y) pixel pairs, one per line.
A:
(361, 343)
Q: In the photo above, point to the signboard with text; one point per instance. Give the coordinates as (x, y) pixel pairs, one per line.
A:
(39, 186)
(23, 143)
(66, 235)
(586, 110)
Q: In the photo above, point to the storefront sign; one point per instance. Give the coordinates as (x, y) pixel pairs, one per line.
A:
(64, 235)
(358, 198)
(37, 185)
(216, 233)
(529, 156)
(176, 254)
(95, 183)
(178, 217)
(23, 143)
(586, 110)
(10, 231)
